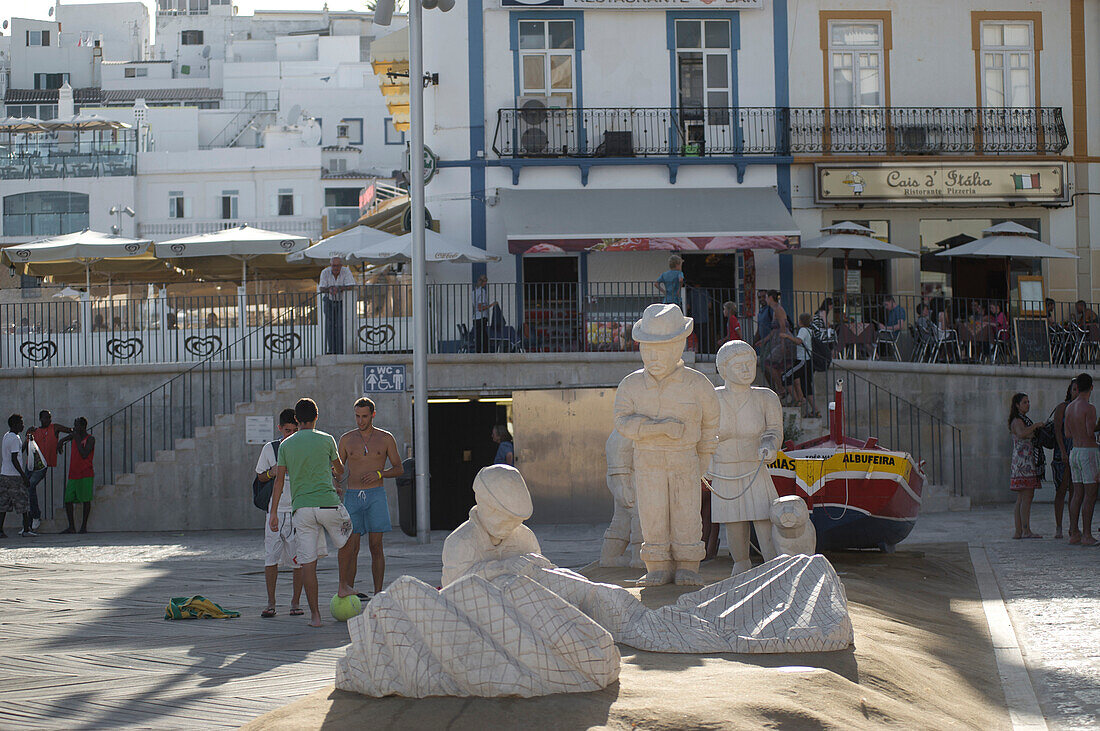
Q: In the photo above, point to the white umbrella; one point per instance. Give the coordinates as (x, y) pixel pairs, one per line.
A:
(850, 241)
(79, 122)
(240, 242)
(86, 247)
(343, 244)
(437, 248)
(1008, 240)
(20, 124)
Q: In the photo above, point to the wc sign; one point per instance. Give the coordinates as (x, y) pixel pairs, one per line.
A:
(384, 379)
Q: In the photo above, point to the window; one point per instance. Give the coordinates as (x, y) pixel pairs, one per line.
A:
(229, 203)
(703, 66)
(49, 111)
(45, 213)
(50, 81)
(286, 202)
(856, 62)
(354, 127)
(191, 37)
(546, 58)
(364, 48)
(135, 72)
(1008, 60)
(38, 38)
(178, 205)
(393, 136)
(337, 165)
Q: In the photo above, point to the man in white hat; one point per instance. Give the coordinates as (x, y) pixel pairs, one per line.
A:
(495, 529)
(671, 413)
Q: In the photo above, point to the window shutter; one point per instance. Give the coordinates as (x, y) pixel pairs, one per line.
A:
(187, 208)
(297, 206)
(45, 38)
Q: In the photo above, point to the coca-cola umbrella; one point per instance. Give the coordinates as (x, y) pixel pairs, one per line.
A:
(849, 240)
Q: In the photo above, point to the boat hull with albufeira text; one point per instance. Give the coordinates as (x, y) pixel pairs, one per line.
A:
(860, 494)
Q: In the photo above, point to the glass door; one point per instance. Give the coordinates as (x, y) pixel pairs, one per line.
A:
(703, 86)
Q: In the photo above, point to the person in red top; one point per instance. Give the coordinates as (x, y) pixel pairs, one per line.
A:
(79, 488)
(733, 325)
(46, 436)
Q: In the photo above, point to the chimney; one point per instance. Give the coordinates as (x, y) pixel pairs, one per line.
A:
(65, 107)
(97, 65)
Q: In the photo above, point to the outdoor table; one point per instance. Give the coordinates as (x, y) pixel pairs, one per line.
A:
(856, 334)
(977, 336)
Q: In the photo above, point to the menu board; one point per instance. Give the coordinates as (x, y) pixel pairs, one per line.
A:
(1032, 339)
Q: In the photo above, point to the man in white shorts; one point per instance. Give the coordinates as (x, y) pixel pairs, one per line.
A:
(310, 460)
(280, 546)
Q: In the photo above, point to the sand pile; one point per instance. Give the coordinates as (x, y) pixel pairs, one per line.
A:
(922, 659)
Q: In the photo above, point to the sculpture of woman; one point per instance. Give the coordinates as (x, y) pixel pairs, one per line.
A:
(749, 433)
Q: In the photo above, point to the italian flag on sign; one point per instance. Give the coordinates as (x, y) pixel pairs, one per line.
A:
(1026, 182)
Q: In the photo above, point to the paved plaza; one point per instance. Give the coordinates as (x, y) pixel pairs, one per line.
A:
(85, 645)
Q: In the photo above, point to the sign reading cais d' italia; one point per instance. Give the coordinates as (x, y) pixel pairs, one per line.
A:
(997, 182)
(634, 4)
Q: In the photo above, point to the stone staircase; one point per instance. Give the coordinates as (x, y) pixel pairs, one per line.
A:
(189, 480)
(938, 499)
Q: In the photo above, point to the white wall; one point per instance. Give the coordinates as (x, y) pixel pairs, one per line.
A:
(124, 27)
(103, 193)
(67, 57)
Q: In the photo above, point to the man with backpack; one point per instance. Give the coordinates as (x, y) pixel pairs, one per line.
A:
(280, 547)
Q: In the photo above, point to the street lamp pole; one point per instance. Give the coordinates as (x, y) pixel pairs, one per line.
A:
(420, 276)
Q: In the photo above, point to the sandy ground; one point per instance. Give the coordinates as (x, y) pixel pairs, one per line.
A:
(922, 659)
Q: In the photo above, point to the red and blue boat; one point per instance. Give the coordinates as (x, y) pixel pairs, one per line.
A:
(859, 493)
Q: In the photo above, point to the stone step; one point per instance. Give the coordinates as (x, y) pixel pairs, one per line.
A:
(248, 408)
(203, 432)
(128, 479)
(145, 468)
(184, 445)
(263, 397)
(225, 420)
(165, 455)
(939, 499)
(305, 372)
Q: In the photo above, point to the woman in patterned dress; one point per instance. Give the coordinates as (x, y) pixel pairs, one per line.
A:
(1024, 474)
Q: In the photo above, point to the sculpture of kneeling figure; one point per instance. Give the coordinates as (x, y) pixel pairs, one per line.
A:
(792, 532)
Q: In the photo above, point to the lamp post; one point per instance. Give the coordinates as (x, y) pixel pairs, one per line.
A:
(383, 13)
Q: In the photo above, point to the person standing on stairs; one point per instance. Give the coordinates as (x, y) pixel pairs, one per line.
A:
(80, 487)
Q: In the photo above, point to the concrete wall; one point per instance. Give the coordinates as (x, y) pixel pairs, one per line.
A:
(976, 399)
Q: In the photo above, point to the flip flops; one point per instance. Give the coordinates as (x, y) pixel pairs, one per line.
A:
(297, 612)
(268, 613)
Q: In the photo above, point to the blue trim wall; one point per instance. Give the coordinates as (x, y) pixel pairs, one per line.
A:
(476, 75)
(782, 101)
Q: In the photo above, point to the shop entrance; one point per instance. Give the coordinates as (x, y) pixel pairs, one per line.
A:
(550, 322)
(461, 444)
(711, 280)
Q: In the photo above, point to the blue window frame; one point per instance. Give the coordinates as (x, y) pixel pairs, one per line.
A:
(698, 43)
(393, 136)
(355, 129)
(576, 90)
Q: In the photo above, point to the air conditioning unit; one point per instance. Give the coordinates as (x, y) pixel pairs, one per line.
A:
(920, 139)
(545, 126)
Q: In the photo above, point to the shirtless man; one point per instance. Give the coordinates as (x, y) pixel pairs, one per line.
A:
(1084, 460)
(364, 451)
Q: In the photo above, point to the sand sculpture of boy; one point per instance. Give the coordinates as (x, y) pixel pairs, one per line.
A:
(749, 434)
(670, 412)
(495, 529)
(622, 541)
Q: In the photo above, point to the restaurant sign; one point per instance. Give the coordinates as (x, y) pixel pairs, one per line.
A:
(634, 4)
(998, 182)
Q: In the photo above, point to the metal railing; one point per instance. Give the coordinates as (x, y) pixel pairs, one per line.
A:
(33, 157)
(696, 131)
(304, 225)
(252, 105)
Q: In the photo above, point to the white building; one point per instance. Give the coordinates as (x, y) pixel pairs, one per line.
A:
(274, 119)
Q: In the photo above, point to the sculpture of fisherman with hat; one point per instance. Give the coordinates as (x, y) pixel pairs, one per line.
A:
(495, 529)
(671, 414)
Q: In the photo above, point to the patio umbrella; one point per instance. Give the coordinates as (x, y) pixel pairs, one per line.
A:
(20, 124)
(85, 247)
(242, 243)
(82, 122)
(343, 244)
(850, 241)
(1008, 241)
(437, 248)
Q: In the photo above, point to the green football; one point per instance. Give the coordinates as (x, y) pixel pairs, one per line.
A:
(344, 608)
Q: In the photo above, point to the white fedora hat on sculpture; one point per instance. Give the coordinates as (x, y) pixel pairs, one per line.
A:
(502, 487)
(662, 324)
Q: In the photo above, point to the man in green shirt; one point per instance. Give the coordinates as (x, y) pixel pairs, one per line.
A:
(310, 459)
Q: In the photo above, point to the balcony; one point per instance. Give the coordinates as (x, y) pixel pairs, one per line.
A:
(175, 228)
(766, 131)
(35, 159)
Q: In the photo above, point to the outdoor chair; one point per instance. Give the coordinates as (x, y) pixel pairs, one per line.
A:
(1077, 337)
(465, 340)
(947, 340)
(924, 338)
(889, 338)
(1059, 344)
(1002, 346)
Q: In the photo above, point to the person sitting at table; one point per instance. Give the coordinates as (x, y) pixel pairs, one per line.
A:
(895, 319)
(1052, 316)
(998, 320)
(977, 313)
(1083, 314)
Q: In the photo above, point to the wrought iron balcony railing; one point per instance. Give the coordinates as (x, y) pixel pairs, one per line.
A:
(710, 131)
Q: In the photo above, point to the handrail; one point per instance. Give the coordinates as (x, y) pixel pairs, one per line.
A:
(256, 103)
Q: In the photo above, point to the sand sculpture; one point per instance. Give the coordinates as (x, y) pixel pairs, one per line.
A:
(622, 540)
(792, 531)
(750, 431)
(511, 623)
(670, 412)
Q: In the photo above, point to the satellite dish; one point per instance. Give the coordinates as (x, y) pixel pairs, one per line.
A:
(294, 114)
(206, 51)
(5, 25)
(51, 12)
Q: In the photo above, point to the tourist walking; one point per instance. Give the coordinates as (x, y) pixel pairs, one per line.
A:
(1084, 462)
(1059, 464)
(800, 376)
(670, 284)
(506, 450)
(335, 280)
(733, 325)
(13, 479)
(310, 460)
(365, 451)
(1024, 473)
(80, 487)
(482, 306)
